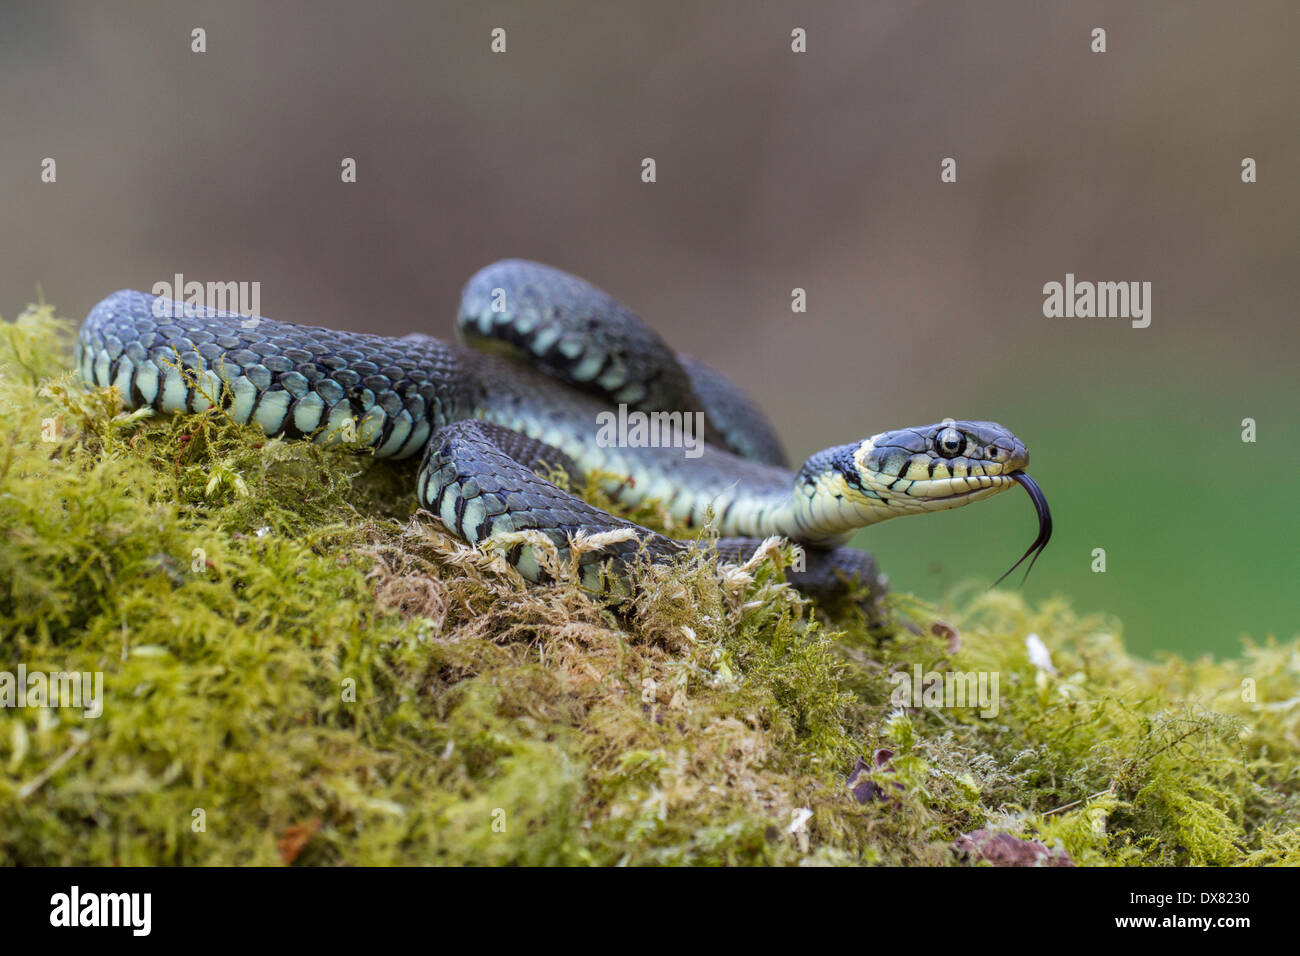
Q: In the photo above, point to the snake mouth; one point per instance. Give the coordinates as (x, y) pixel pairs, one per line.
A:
(1044, 525)
(938, 493)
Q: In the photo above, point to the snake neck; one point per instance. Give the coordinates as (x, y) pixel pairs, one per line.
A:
(829, 503)
(759, 505)
(821, 505)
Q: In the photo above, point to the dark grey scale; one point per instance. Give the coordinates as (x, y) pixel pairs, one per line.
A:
(838, 458)
(242, 356)
(907, 440)
(329, 390)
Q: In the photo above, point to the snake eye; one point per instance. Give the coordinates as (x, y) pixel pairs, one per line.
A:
(950, 442)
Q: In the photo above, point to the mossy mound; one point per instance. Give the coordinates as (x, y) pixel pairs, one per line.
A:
(299, 669)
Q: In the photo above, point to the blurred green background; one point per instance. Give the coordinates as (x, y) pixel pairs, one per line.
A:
(775, 170)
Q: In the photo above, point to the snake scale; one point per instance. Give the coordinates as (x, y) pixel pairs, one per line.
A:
(542, 354)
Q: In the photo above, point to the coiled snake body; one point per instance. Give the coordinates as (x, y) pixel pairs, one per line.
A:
(552, 354)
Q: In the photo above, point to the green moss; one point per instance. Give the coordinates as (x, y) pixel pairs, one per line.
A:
(297, 667)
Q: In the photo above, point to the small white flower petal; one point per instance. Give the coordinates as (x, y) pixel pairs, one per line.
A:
(1039, 655)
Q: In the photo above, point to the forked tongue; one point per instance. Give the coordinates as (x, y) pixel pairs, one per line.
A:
(1044, 526)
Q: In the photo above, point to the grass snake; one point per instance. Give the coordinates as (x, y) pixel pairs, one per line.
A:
(542, 354)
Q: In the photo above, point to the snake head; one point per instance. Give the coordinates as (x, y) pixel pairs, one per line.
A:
(935, 467)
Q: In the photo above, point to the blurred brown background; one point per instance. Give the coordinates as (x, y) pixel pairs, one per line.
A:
(775, 170)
